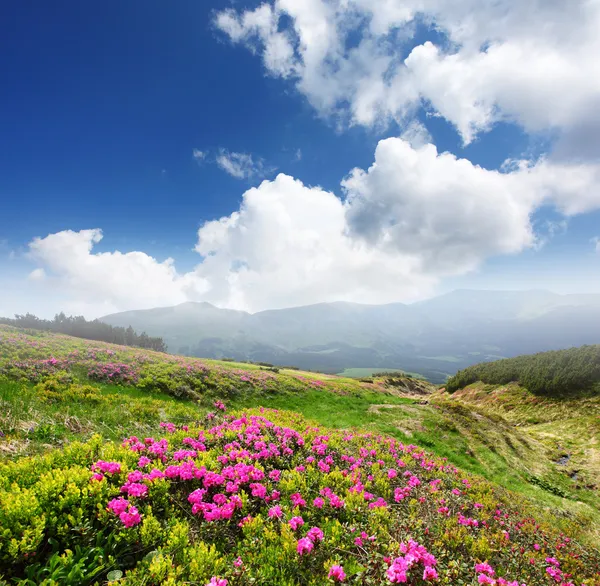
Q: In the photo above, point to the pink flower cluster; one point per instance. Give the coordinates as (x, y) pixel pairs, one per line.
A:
(128, 514)
(486, 576)
(249, 473)
(306, 544)
(113, 372)
(402, 492)
(336, 573)
(415, 555)
(101, 467)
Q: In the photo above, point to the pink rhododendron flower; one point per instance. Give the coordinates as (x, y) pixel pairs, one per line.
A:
(107, 467)
(305, 545)
(118, 506)
(275, 512)
(258, 490)
(143, 461)
(337, 573)
(296, 522)
(131, 517)
(414, 555)
(485, 569)
(315, 534)
(297, 500)
(135, 489)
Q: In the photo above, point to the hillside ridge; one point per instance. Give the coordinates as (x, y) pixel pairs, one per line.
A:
(435, 337)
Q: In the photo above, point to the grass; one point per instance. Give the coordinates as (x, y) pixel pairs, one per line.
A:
(340, 411)
(561, 426)
(472, 439)
(30, 426)
(507, 436)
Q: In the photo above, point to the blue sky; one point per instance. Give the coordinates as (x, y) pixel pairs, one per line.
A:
(101, 110)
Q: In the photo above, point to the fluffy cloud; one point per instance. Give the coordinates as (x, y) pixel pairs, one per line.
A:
(414, 217)
(451, 213)
(531, 62)
(102, 282)
(288, 245)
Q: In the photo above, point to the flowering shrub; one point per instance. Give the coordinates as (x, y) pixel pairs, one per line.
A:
(35, 356)
(267, 498)
(113, 372)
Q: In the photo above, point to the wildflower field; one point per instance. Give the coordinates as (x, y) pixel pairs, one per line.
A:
(168, 476)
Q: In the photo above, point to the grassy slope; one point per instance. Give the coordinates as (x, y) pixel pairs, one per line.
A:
(478, 438)
(59, 531)
(29, 424)
(568, 430)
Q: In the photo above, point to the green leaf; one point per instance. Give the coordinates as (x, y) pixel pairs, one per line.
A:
(151, 556)
(114, 575)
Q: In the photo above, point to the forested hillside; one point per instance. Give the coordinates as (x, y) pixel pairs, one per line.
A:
(79, 327)
(548, 373)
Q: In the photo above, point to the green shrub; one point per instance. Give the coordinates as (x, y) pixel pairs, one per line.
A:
(59, 388)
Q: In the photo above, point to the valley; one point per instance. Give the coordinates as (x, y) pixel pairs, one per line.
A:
(434, 338)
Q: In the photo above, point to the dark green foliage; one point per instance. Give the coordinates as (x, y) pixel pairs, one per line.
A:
(557, 372)
(79, 327)
(545, 485)
(392, 374)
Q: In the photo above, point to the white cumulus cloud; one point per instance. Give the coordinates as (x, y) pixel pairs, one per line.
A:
(101, 282)
(533, 62)
(414, 217)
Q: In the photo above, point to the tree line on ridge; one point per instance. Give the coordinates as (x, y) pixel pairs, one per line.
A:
(557, 372)
(79, 327)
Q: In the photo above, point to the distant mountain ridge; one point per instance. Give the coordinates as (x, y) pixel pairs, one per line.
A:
(435, 337)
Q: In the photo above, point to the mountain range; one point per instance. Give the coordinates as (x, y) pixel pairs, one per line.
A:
(434, 338)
